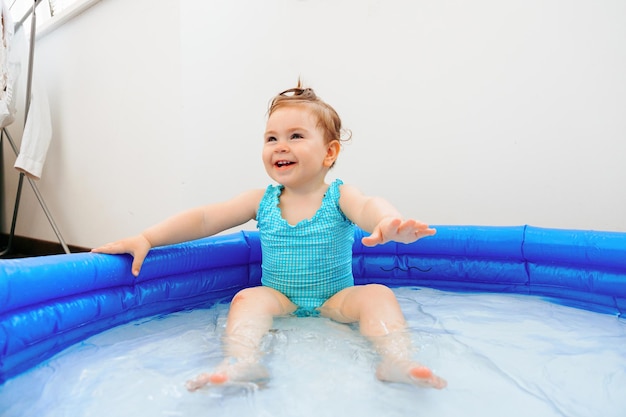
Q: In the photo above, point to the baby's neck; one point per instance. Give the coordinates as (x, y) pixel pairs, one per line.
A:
(296, 206)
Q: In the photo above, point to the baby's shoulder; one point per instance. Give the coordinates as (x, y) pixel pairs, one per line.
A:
(250, 198)
(348, 190)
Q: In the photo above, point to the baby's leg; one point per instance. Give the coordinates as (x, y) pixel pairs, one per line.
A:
(380, 319)
(250, 317)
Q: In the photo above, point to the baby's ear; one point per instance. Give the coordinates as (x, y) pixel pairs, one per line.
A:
(332, 152)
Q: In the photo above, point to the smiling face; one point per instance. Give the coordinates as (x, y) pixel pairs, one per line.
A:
(295, 153)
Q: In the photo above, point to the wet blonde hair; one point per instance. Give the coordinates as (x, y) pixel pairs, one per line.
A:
(327, 118)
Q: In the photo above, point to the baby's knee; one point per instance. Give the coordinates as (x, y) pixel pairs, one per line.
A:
(262, 300)
(241, 296)
(379, 291)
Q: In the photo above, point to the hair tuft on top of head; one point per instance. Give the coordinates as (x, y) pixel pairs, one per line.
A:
(303, 93)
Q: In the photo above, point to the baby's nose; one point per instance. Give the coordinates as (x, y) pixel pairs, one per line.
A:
(282, 148)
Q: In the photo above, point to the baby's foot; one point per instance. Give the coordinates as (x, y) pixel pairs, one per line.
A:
(198, 382)
(408, 372)
(229, 372)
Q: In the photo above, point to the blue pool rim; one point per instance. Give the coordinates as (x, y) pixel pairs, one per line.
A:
(49, 303)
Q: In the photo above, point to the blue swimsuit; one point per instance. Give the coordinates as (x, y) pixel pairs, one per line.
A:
(311, 261)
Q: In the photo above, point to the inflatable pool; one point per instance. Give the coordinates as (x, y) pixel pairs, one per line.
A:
(49, 303)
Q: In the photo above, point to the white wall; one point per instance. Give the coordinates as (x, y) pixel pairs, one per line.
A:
(482, 112)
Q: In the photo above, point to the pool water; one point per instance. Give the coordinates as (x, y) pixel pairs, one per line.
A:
(503, 355)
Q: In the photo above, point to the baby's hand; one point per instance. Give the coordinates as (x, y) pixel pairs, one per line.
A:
(397, 230)
(138, 246)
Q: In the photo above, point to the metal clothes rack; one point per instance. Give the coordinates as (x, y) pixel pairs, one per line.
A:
(5, 132)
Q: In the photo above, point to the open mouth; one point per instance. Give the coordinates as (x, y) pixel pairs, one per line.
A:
(281, 164)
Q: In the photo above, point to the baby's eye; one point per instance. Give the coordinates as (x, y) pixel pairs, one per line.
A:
(270, 139)
(296, 136)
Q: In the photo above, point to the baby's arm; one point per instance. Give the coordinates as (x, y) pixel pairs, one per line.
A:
(379, 218)
(189, 225)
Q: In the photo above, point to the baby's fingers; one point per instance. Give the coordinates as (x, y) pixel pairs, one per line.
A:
(110, 248)
(383, 232)
(137, 263)
(416, 228)
(372, 240)
(137, 246)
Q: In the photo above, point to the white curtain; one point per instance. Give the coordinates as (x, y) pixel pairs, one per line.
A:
(7, 71)
(38, 126)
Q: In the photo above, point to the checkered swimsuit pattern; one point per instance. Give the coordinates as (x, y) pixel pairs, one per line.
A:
(311, 261)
